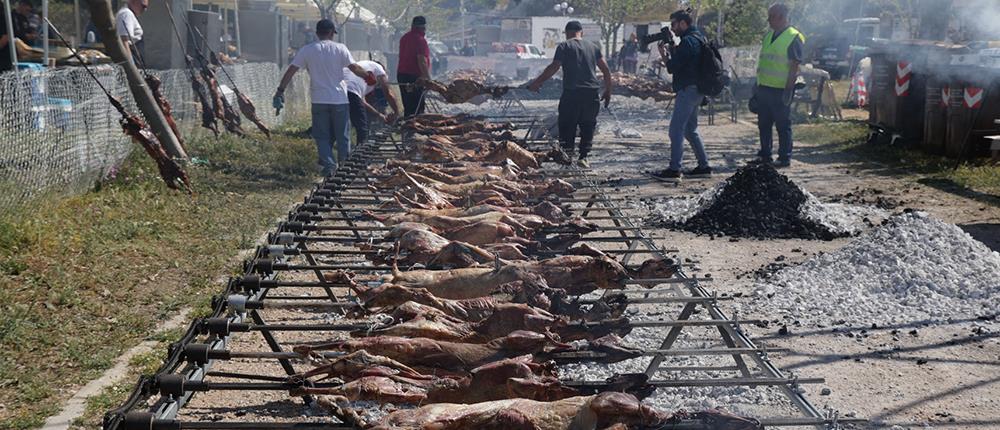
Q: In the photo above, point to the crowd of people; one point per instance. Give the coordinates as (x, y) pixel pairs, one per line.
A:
(579, 105)
(27, 26)
(339, 88)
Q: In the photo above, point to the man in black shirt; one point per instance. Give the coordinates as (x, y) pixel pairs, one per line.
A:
(23, 28)
(5, 45)
(579, 103)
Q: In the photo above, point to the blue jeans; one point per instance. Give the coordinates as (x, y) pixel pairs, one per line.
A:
(331, 123)
(684, 125)
(773, 112)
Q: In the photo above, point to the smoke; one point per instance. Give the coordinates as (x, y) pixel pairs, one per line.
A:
(975, 20)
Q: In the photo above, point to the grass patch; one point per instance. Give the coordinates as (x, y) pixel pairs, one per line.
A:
(977, 179)
(84, 278)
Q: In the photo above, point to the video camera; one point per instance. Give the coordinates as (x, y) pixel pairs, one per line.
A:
(665, 35)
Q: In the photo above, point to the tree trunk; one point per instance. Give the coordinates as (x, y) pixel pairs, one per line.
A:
(100, 13)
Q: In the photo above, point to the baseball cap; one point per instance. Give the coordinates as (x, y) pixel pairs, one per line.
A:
(324, 26)
(574, 26)
(419, 21)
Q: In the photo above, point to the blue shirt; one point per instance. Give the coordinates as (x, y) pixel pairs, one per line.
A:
(684, 61)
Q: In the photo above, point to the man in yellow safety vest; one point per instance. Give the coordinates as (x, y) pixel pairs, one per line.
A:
(780, 55)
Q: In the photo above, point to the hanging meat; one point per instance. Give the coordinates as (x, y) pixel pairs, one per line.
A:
(208, 119)
(232, 119)
(213, 89)
(171, 172)
(249, 111)
(246, 106)
(155, 86)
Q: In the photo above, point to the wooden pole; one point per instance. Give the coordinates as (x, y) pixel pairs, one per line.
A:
(101, 15)
(10, 33)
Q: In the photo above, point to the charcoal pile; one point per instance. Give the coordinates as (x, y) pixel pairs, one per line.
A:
(756, 202)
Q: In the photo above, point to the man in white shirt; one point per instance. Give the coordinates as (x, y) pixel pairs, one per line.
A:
(325, 61)
(358, 89)
(128, 27)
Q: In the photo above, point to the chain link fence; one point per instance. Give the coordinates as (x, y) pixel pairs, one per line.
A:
(59, 134)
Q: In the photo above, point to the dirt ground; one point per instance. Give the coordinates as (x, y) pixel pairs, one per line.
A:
(946, 375)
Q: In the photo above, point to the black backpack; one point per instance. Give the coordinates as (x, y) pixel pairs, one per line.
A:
(712, 77)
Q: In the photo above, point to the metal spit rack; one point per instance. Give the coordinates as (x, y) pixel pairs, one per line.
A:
(260, 315)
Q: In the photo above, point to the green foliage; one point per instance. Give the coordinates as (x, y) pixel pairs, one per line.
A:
(111, 264)
(612, 14)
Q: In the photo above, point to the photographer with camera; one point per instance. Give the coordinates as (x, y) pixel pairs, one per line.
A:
(581, 97)
(780, 55)
(683, 61)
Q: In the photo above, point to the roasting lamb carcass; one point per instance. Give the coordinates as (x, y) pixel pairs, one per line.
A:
(463, 90)
(155, 87)
(435, 354)
(532, 291)
(418, 320)
(170, 171)
(517, 377)
(603, 411)
(574, 273)
(208, 119)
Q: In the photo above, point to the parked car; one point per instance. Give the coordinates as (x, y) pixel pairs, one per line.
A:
(847, 46)
(439, 52)
(516, 50)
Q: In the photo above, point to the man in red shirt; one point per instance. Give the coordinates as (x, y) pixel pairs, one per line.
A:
(414, 64)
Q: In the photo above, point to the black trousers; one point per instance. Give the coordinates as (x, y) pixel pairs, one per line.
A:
(359, 117)
(578, 108)
(412, 95)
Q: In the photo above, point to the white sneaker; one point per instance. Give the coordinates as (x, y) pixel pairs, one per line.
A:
(583, 163)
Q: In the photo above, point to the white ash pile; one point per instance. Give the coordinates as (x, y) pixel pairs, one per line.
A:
(760, 401)
(758, 202)
(914, 268)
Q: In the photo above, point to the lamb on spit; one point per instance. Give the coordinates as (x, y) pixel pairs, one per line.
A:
(416, 320)
(170, 171)
(462, 90)
(641, 86)
(603, 411)
(155, 87)
(513, 190)
(453, 173)
(577, 274)
(424, 247)
(455, 127)
(246, 106)
(208, 119)
(423, 353)
(517, 377)
(532, 291)
(433, 356)
(436, 151)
